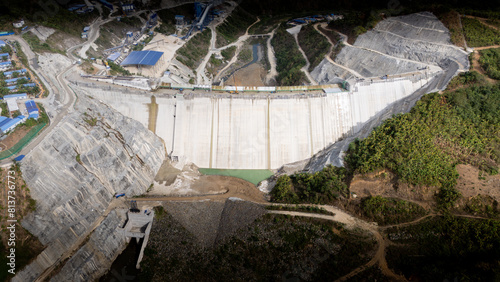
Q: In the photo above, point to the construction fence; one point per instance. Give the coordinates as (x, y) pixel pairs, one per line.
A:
(23, 142)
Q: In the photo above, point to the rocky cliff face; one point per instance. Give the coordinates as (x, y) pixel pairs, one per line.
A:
(74, 173)
(406, 44)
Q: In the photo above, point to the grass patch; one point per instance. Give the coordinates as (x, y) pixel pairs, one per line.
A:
(490, 62)
(322, 187)
(314, 45)
(234, 26)
(228, 53)
(477, 34)
(386, 211)
(195, 49)
(39, 47)
(289, 60)
(251, 175)
(117, 69)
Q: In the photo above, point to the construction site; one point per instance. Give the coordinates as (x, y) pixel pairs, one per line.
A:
(210, 134)
(237, 125)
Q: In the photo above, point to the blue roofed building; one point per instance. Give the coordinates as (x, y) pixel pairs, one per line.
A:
(2, 43)
(32, 109)
(8, 74)
(5, 56)
(5, 65)
(9, 124)
(13, 81)
(152, 61)
(16, 96)
(29, 84)
(12, 88)
(113, 57)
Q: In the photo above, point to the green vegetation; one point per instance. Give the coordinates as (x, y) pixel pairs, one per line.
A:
(195, 49)
(251, 175)
(314, 45)
(322, 187)
(266, 24)
(228, 53)
(38, 46)
(131, 21)
(466, 79)
(117, 69)
(424, 146)
(166, 28)
(421, 147)
(481, 205)
(490, 62)
(390, 211)
(354, 24)
(234, 26)
(446, 248)
(23, 142)
(245, 55)
(213, 65)
(289, 60)
(298, 208)
(451, 19)
(272, 248)
(5, 110)
(477, 34)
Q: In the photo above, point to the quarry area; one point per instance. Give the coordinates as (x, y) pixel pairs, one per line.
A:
(174, 135)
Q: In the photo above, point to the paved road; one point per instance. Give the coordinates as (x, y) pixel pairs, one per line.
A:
(67, 98)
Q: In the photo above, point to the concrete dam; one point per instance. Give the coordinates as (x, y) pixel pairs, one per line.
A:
(259, 131)
(266, 131)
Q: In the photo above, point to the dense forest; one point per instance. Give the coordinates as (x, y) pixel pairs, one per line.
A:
(289, 60)
(490, 62)
(315, 45)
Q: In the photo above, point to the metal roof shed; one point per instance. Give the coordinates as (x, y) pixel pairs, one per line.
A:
(147, 58)
(114, 56)
(12, 105)
(17, 96)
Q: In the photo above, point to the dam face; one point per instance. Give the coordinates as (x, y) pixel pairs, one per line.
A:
(259, 131)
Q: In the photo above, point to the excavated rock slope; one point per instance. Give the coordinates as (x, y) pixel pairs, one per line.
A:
(396, 45)
(75, 171)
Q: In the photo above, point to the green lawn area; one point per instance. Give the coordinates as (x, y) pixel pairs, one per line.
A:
(251, 175)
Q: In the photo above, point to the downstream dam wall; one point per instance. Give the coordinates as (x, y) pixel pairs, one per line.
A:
(259, 131)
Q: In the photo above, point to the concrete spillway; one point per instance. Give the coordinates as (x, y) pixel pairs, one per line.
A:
(259, 131)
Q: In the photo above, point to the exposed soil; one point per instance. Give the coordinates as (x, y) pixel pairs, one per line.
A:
(470, 183)
(27, 246)
(386, 184)
(62, 41)
(13, 138)
(167, 173)
(250, 76)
